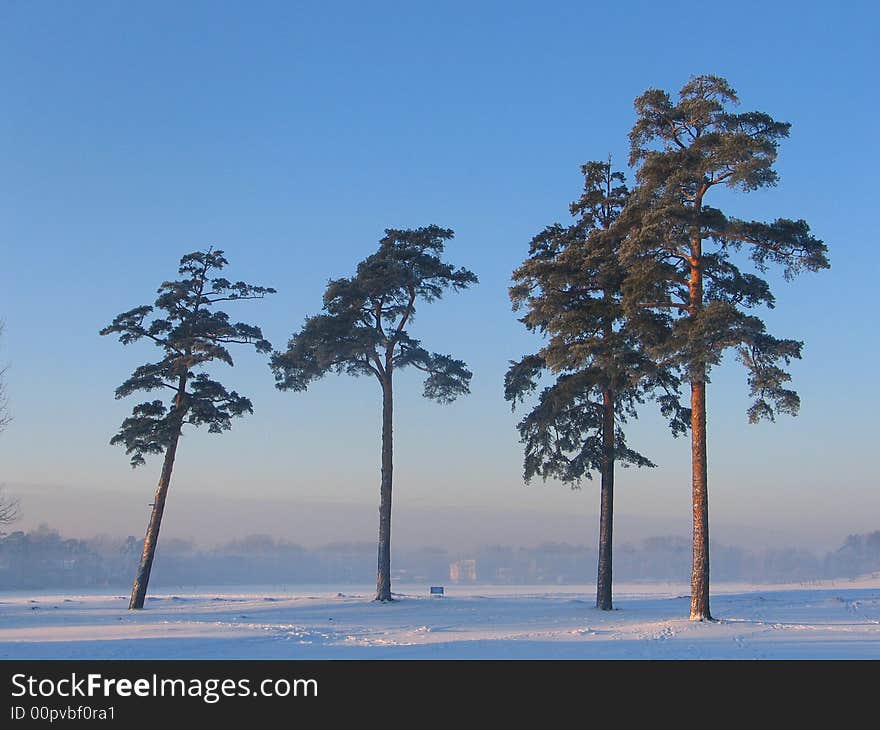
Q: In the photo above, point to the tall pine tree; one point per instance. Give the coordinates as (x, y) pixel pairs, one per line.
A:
(192, 334)
(571, 288)
(684, 257)
(364, 330)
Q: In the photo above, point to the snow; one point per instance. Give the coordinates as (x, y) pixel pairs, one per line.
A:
(829, 620)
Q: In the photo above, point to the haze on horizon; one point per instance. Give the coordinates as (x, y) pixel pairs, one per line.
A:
(290, 139)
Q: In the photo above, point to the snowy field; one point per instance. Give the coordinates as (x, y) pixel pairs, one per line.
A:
(831, 620)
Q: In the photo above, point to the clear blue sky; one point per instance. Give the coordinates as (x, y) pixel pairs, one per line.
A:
(291, 134)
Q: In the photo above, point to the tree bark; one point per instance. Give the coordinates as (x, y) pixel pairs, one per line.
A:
(383, 576)
(142, 578)
(606, 511)
(699, 473)
(700, 577)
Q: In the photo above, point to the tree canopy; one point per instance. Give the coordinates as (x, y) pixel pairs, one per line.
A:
(684, 149)
(191, 333)
(364, 328)
(571, 287)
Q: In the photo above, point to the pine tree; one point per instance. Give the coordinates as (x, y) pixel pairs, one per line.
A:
(192, 334)
(571, 287)
(684, 257)
(364, 331)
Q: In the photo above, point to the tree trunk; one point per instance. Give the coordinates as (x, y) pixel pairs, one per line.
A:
(142, 578)
(700, 577)
(606, 513)
(383, 576)
(699, 474)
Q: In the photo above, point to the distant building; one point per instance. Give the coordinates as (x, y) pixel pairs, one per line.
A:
(463, 571)
(504, 575)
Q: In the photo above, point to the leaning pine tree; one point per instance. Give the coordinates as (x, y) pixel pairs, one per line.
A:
(191, 333)
(570, 286)
(364, 331)
(683, 260)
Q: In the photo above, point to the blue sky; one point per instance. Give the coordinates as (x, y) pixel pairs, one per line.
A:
(291, 134)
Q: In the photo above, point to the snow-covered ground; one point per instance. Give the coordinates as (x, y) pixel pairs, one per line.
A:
(832, 620)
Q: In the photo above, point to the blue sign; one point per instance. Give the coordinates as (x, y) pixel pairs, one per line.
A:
(436, 590)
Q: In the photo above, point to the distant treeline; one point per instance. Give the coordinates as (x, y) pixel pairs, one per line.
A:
(43, 559)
